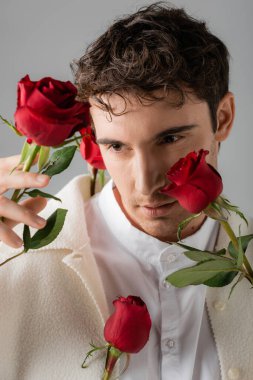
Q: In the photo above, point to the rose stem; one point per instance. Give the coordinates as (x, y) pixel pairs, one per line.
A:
(112, 356)
(15, 196)
(101, 177)
(27, 165)
(11, 258)
(233, 238)
(66, 142)
(93, 181)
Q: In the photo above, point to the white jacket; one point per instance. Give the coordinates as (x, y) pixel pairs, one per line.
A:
(52, 305)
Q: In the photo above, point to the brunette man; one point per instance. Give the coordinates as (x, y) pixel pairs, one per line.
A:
(157, 82)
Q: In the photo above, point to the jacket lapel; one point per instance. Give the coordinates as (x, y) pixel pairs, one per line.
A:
(232, 337)
(82, 262)
(74, 238)
(74, 235)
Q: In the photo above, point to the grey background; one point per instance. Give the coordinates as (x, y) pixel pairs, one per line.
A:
(40, 38)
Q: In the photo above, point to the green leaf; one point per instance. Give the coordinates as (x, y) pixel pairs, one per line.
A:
(60, 160)
(203, 256)
(24, 155)
(200, 273)
(36, 192)
(221, 279)
(26, 238)
(244, 242)
(49, 233)
(24, 152)
(11, 126)
(216, 207)
(214, 211)
(90, 353)
(43, 157)
(189, 248)
(30, 157)
(184, 223)
(225, 203)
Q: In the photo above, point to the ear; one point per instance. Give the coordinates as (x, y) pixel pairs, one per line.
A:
(225, 117)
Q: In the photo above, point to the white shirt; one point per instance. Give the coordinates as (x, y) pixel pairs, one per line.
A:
(181, 345)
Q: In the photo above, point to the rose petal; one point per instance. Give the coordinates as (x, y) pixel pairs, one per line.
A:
(41, 129)
(47, 110)
(195, 183)
(129, 326)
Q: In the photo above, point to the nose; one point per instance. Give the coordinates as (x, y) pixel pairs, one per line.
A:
(149, 173)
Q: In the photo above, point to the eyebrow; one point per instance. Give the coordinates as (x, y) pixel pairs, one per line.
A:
(108, 141)
(169, 131)
(175, 130)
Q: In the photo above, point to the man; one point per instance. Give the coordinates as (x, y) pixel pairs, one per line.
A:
(157, 82)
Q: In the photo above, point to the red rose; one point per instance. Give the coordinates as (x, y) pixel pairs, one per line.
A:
(47, 111)
(89, 149)
(127, 329)
(195, 183)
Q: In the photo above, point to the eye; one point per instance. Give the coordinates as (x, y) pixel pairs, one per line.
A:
(170, 139)
(116, 147)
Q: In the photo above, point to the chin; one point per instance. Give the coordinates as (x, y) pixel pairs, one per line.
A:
(161, 229)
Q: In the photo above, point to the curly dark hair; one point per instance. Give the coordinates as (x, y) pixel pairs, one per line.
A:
(158, 47)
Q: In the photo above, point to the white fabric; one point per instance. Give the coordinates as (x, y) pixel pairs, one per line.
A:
(52, 304)
(181, 346)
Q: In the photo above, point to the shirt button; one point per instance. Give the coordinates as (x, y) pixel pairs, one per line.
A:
(219, 305)
(170, 343)
(166, 284)
(168, 258)
(171, 258)
(233, 373)
(168, 346)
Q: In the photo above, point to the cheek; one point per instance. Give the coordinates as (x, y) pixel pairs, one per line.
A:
(111, 165)
(122, 177)
(202, 141)
(118, 171)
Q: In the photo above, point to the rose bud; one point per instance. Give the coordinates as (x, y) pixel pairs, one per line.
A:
(90, 150)
(195, 183)
(128, 328)
(47, 112)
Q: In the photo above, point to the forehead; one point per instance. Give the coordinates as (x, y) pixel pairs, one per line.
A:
(130, 101)
(129, 108)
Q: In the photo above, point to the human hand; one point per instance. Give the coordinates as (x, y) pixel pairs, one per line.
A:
(24, 212)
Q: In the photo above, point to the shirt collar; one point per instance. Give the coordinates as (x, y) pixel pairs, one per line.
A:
(140, 244)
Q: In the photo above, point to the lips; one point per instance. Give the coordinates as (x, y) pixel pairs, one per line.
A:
(153, 210)
(156, 205)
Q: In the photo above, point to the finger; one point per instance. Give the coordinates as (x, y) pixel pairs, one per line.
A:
(8, 163)
(20, 180)
(20, 214)
(35, 205)
(9, 237)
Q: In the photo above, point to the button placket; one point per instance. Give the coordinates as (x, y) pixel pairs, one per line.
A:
(169, 308)
(169, 323)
